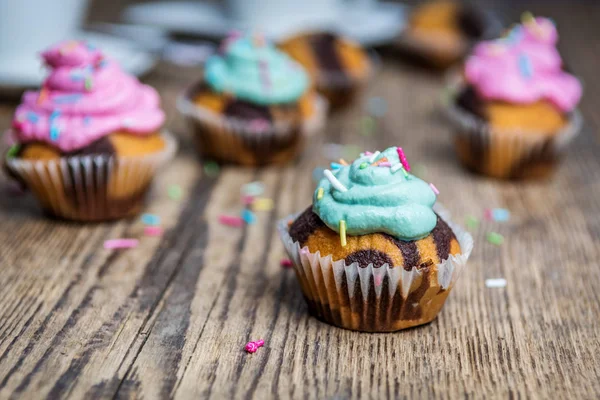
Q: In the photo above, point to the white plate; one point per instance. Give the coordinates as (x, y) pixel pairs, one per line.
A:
(19, 73)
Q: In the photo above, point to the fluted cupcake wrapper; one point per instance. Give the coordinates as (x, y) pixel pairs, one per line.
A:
(244, 142)
(503, 153)
(91, 188)
(375, 299)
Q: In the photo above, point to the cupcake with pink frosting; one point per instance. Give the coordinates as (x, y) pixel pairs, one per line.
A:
(515, 106)
(89, 142)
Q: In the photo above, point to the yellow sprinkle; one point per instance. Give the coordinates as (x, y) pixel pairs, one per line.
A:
(527, 16)
(262, 204)
(320, 194)
(343, 162)
(343, 232)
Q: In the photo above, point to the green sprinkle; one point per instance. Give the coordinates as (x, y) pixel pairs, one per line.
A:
(495, 238)
(320, 194)
(13, 150)
(211, 169)
(472, 222)
(88, 83)
(343, 233)
(364, 165)
(175, 192)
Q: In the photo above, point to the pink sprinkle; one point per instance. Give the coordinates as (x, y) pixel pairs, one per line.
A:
(153, 231)
(367, 153)
(247, 200)
(120, 244)
(487, 214)
(229, 220)
(286, 263)
(385, 164)
(251, 347)
(403, 159)
(435, 190)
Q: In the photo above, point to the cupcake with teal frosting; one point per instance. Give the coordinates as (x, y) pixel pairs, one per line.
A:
(253, 106)
(374, 252)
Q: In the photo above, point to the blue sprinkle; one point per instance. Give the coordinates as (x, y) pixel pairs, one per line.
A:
(32, 117)
(335, 165)
(248, 216)
(54, 129)
(87, 120)
(90, 47)
(76, 76)
(151, 219)
(67, 98)
(525, 66)
(500, 214)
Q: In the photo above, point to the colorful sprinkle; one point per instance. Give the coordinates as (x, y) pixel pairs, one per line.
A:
(367, 153)
(230, 220)
(120, 244)
(396, 167)
(381, 160)
(150, 219)
(495, 238)
(334, 165)
(153, 231)
(334, 181)
(13, 150)
(435, 190)
(286, 263)
(54, 128)
(525, 66)
(253, 189)
(495, 283)
(263, 204)
(211, 169)
(248, 216)
(67, 98)
(384, 164)
(471, 222)
(343, 233)
(174, 192)
(43, 95)
(500, 214)
(343, 162)
(320, 193)
(247, 200)
(87, 120)
(32, 117)
(487, 214)
(251, 347)
(374, 156)
(403, 159)
(364, 165)
(88, 83)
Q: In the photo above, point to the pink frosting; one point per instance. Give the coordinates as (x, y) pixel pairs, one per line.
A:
(84, 98)
(523, 68)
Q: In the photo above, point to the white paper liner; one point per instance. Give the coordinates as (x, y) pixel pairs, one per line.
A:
(314, 272)
(225, 134)
(510, 148)
(92, 188)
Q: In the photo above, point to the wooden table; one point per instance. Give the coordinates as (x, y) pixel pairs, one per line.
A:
(170, 318)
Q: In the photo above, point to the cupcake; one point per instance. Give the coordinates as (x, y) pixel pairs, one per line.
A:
(441, 32)
(373, 253)
(89, 142)
(338, 66)
(514, 105)
(254, 105)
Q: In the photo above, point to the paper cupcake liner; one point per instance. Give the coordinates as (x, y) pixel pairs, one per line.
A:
(91, 188)
(506, 153)
(246, 142)
(371, 299)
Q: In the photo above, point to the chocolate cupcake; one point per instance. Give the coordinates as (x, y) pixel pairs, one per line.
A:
(514, 105)
(441, 33)
(89, 142)
(372, 253)
(254, 105)
(338, 66)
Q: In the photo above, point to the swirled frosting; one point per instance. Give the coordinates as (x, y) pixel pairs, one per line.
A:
(85, 97)
(380, 197)
(254, 71)
(523, 67)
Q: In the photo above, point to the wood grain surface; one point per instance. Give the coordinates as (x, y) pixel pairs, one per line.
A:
(170, 318)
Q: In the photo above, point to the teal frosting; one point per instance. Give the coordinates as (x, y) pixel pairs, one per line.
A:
(256, 72)
(377, 200)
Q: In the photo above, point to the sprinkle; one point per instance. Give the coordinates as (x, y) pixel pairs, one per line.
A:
(495, 238)
(384, 164)
(377, 106)
(374, 156)
(88, 83)
(403, 159)
(248, 216)
(263, 204)
(487, 214)
(364, 165)
(253, 189)
(43, 95)
(343, 162)
(367, 153)
(13, 150)
(247, 200)
(435, 190)
(472, 222)
(318, 174)
(527, 17)
(67, 98)
(120, 244)
(251, 347)
(286, 263)
(495, 283)
(334, 165)
(396, 167)
(320, 193)
(54, 129)
(525, 66)
(32, 117)
(500, 214)
(87, 120)
(334, 181)
(153, 231)
(128, 122)
(150, 219)
(174, 192)
(343, 232)
(211, 169)
(381, 160)
(229, 220)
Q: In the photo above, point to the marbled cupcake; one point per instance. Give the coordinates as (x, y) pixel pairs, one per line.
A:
(441, 33)
(372, 254)
(254, 105)
(89, 142)
(514, 105)
(338, 66)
